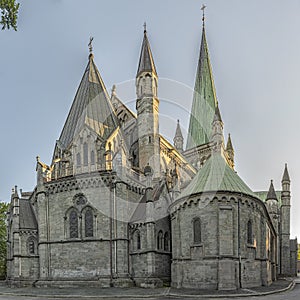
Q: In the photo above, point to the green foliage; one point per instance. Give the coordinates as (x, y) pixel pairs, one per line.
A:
(9, 10)
(3, 238)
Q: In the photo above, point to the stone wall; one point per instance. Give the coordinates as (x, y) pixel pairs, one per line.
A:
(213, 262)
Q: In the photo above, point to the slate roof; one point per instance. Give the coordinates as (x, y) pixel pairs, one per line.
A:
(27, 216)
(286, 176)
(140, 211)
(146, 62)
(91, 107)
(271, 193)
(204, 100)
(216, 175)
(262, 195)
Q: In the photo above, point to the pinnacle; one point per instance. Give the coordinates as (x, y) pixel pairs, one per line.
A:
(229, 146)
(286, 176)
(271, 193)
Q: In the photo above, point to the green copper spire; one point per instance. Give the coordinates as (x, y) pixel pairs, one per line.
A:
(204, 100)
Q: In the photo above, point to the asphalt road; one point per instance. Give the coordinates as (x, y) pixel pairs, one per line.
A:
(290, 295)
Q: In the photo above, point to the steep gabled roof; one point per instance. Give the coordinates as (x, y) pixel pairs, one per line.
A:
(27, 216)
(216, 175)
(146, 63)
(91, 107)
(204, 100)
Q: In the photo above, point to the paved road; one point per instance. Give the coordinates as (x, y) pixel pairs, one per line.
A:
(290, 295)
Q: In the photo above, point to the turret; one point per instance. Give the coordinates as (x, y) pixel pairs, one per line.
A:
(286, 182)
(178, 138)
(272, 205)
(147, 106)
(285, 223)
(15, 200)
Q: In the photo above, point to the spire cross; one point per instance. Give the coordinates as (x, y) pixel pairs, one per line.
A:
(203, 13)
(90, 44)
(145, 27)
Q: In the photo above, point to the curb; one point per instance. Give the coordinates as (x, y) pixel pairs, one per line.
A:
(254, 294)
(166, 294)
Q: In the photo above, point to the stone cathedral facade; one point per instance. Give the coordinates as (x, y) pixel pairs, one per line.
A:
(120, 205)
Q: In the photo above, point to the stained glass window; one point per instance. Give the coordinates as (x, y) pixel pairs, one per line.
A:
(159, 240)
(249, 232)
(166, 241)
(197, 231)
(92, 157)
(73, 224)
(138, 240)
(89, 224)
(85, 154)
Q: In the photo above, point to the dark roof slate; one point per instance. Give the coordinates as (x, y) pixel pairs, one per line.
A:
(91, 107)
(27, 216)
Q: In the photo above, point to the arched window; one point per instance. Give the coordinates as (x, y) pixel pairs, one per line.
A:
(78, 159)
(31, 246)
(249, 232)
(89, 224)
(92, 157)
(166, 241)
(160, 240)
(85, 154)
(73, 224)
(138, 240)
(197, 231)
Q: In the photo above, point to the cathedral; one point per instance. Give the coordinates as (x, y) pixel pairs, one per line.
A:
(120, 205)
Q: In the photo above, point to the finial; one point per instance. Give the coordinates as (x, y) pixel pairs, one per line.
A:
(203, 13)
(145, 27)
(177, 121)
(37, 158)
(91, 45)
(271, 181)
(113, 90)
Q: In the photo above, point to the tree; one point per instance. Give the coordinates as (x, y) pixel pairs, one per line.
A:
(9, 10)
(3, 239)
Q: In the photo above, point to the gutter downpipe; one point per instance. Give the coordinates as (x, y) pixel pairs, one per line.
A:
(239, 246)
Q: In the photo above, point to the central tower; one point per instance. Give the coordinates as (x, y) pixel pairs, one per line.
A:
(147, 105)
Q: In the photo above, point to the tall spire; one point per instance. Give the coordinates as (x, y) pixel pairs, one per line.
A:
(204, 99)
(146, 62)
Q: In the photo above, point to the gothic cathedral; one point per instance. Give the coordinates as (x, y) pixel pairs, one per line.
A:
(120, 205)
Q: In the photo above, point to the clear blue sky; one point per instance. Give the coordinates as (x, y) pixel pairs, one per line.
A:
(255, 54)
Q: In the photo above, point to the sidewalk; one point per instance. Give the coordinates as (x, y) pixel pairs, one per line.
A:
(125, 293)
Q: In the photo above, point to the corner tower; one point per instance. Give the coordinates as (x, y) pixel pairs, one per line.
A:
(285, 223)
(147, 105)
(204, 99)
